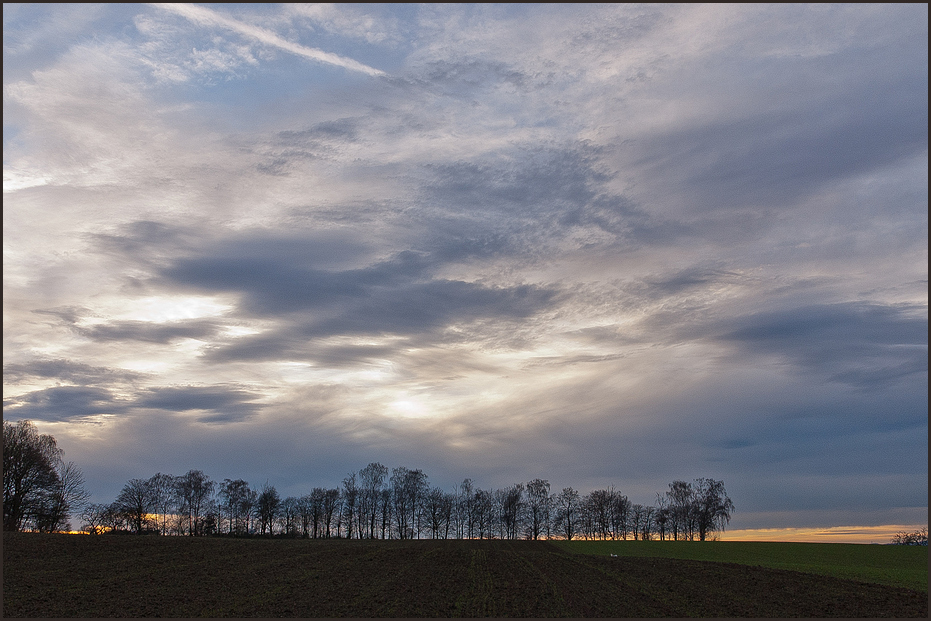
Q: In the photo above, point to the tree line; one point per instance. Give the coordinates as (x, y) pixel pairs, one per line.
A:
(377, 503)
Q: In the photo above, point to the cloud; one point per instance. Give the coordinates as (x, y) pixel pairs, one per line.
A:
(146, 331)
(63, 403)
(66, 370)
(861, 344)
(225, 404)
(207, 17)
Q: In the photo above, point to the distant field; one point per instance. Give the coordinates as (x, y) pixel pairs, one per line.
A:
(903, 566)
(127, 576)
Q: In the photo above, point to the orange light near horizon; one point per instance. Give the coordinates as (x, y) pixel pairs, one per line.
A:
(832, 534)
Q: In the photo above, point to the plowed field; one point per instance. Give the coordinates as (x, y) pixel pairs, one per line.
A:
(126, 576)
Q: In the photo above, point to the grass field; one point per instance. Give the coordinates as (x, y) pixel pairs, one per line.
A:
(127, 576)
(903, 566)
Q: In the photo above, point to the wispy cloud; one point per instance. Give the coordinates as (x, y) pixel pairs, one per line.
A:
(206, 17)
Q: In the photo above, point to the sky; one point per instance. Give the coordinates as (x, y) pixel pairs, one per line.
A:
(602, 245)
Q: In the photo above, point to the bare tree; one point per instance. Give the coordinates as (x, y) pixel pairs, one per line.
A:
(372, 479)
(620, 515)
(162, 487)
(512, 510)
(305, 515)
(662, 515)
(30, 472)
(567, 509)
(465, 499)
(408, 488)
(483, 508)
(384, 510)
(135, 501)
(317, 498)
(330, 509)
(680, 497)
(232, 494)
(599, 506)
(290, 510)
(642, 521)
(66, 496)
(94, 519)
(538, 507)
(350, 495)
(267, 506)
(433, 509)
(192, 491)
(713, 507)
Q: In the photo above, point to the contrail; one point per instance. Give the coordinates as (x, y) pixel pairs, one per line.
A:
(200, 15)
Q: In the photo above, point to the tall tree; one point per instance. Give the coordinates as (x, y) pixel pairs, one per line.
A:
(538, 507)
(567, 509)
(465, 503)
(162, 487)
(317, 499)
(30, 472)
(482, 512)
(232, 494)
(330, 510)
(662, 515)
(384, 510)
(680, 497)
(599, 503)
(136, 502)
(350, 495)
(713, 507)
(371, 480)
(267, 506)
(66, 496)
(512, 510)
(193, 492)
(290, 511)
(620, 515)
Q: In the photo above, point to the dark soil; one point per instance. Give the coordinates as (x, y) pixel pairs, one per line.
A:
(128, 576)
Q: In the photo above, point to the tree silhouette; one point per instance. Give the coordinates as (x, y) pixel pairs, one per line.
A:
(40, 490)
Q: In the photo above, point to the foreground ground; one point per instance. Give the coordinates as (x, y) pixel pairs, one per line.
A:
(125, 576)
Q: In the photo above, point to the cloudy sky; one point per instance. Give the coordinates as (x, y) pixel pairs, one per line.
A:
(600, 245)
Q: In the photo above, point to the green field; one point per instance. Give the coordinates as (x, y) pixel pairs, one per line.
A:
(903, 566)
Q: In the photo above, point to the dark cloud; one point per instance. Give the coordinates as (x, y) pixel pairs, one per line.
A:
(684, 280)
(396, 296)
(150, 332)
(419, 311)
(68, 371)
(526, 182)
(141, 239)
(67, 314)
(63, 403)
(225, 403)
(863, 344)
(776, 154)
